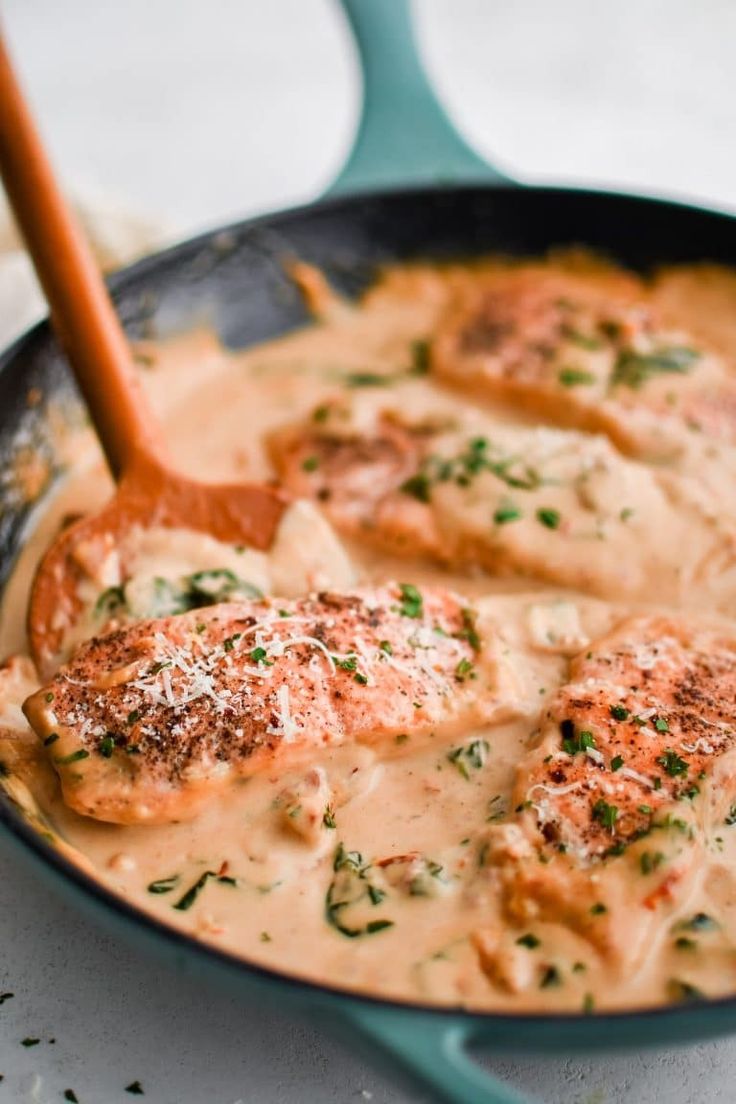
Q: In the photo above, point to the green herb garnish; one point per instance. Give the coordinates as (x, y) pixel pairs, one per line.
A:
(549, 517)
(164, 885)
(465, 670)
(635, 369)
(550, 978)
(418, 486)
(412, 603)
(469, 757)
(506, 512)
(650, 861)
(573, 377)
(605, 813)
(350, 886)
(72, 757)
(673, 764)
(683, 992)
(107, 746)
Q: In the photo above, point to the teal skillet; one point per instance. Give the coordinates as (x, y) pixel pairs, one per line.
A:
(411, 188)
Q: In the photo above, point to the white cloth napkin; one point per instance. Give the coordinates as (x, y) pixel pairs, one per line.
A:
(117, 235)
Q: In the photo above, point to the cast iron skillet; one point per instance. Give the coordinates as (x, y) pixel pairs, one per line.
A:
(455, 206)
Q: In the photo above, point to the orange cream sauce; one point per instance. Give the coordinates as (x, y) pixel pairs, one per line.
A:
(265, 851)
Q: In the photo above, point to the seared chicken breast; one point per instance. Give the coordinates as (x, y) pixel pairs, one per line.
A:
(548, 504)
(145, 723)
(634, 767)
(581, 355)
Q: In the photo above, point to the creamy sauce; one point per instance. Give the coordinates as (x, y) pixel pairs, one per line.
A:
(259, 870)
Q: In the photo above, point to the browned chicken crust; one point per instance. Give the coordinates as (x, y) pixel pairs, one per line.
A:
(616, 803)
(143, 724)
(580, 354)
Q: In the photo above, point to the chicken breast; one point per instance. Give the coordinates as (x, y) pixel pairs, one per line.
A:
(632, 775)
(581, 355)
(552, 505)
(144, 724)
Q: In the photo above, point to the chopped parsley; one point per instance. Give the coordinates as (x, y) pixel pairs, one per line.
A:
(598, 909)
(107, 746)
(684, 943)
(352, 886)
(650, 861)
(134, 1088)
(572, 743)
(29, 1041)
(110, 601)
(548, 517)
(673, 764)
(419, 358)
(617, 762)
(469, 757)
(164, 885)
(310, 463)
(328, 819)
(573, 377)
(412, 603)
(550, 978)
(661, 724)
(349, 663)
(619, 712)
(72, 757)
(606, 814)
(367, 379)
(469, 631)
(418, 486)
(635, 369)
(529, 940)
(465, 670)
(506, 512)
(71, 1096)
(731, 816)
(260, 655)
(51, 739)
(683, 991)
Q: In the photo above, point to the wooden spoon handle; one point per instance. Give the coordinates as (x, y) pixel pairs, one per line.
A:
(82, 313)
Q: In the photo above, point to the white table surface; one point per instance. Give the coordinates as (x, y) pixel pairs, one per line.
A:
(198, 111)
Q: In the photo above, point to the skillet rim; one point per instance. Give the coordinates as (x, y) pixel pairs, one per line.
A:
(13, 820)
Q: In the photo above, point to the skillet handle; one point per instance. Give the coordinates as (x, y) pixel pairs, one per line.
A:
(404, 136)
(432, 1050)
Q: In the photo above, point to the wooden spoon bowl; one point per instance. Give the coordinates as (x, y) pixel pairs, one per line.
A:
(148, 496)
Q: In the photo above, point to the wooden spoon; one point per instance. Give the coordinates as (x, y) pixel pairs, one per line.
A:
(150, 492)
